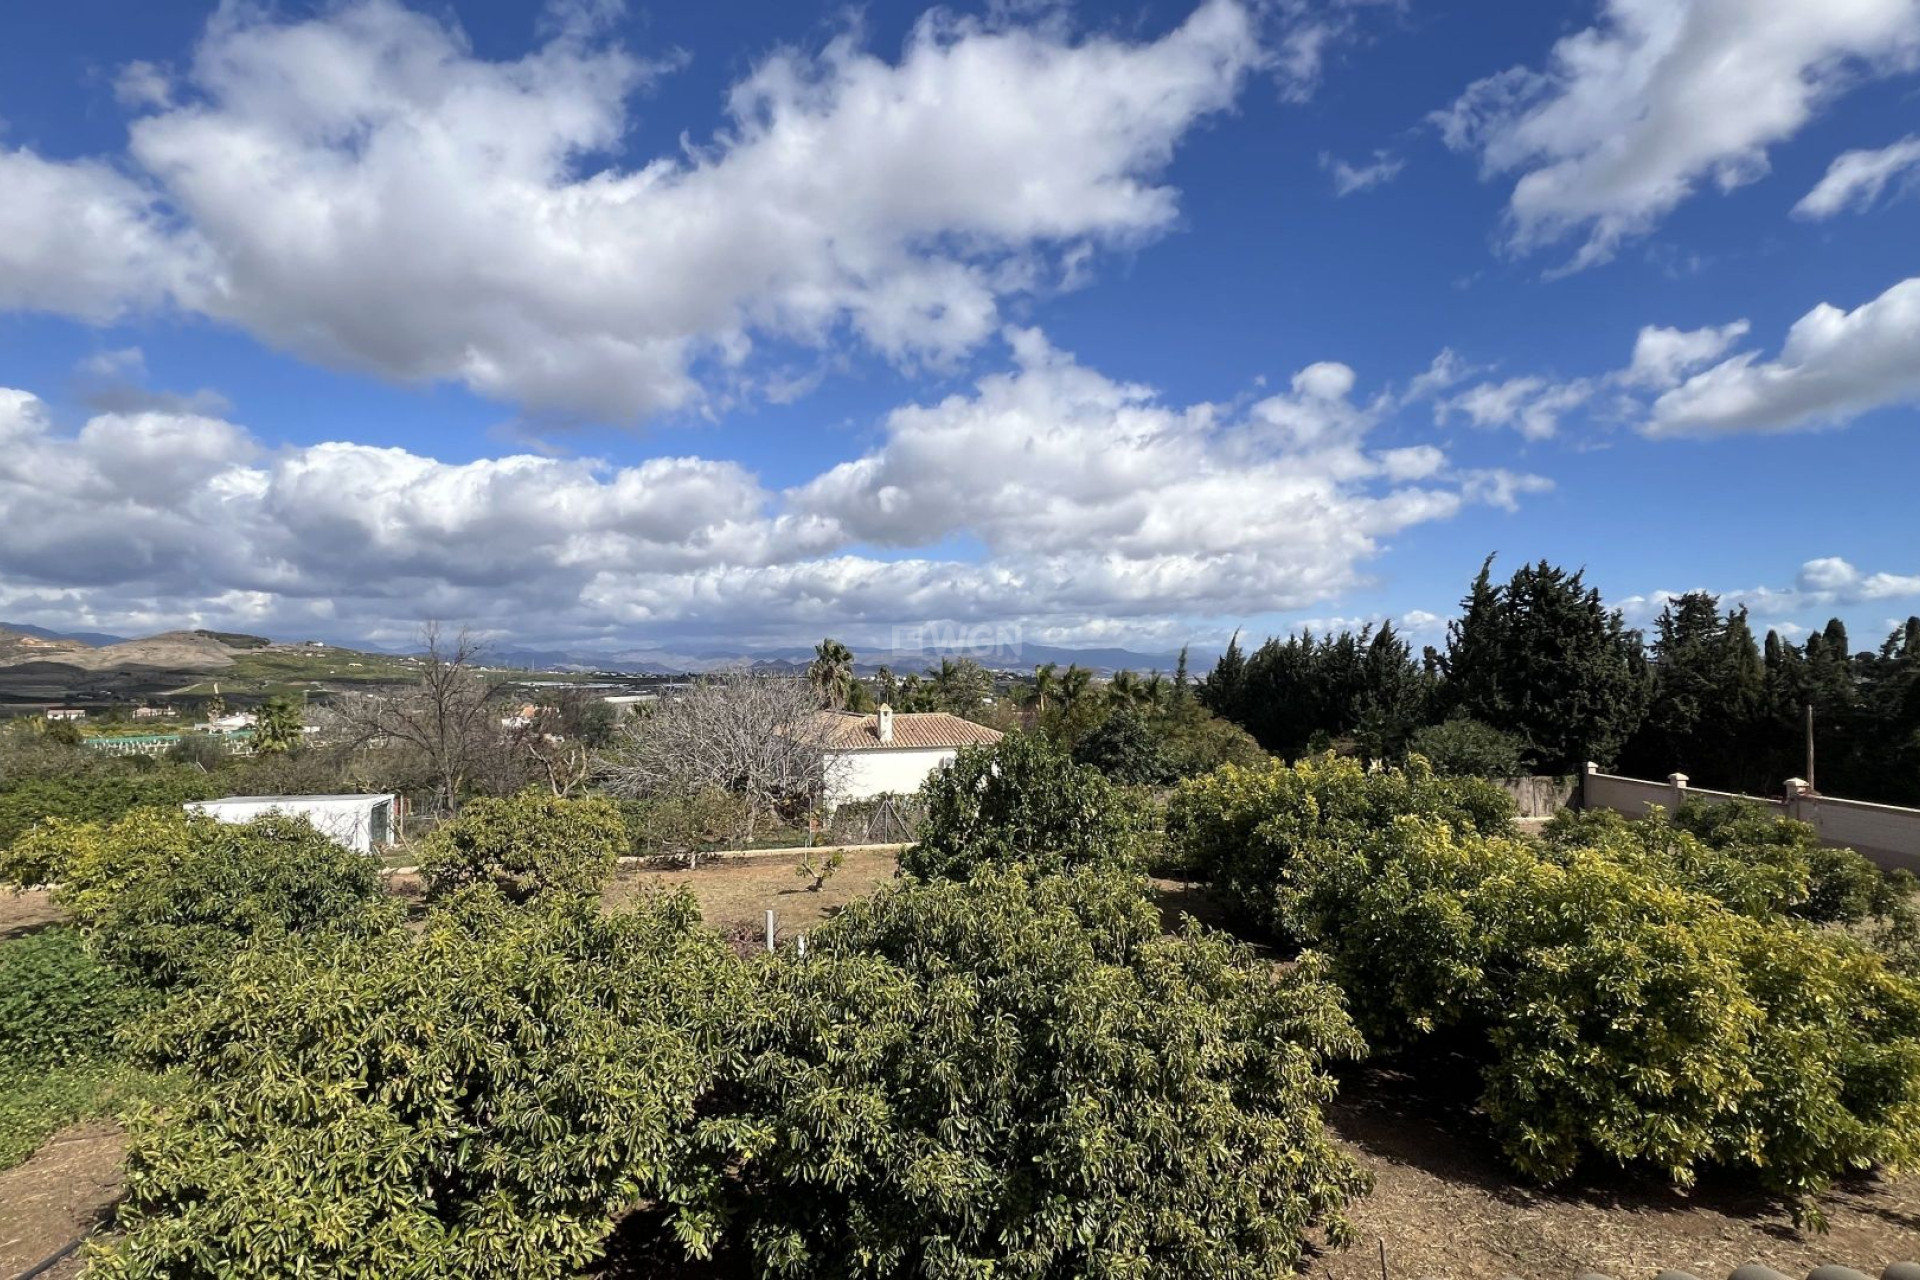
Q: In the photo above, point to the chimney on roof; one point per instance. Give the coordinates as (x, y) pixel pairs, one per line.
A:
(886, 724)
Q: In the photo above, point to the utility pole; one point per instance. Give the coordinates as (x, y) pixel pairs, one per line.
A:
(1810, 780)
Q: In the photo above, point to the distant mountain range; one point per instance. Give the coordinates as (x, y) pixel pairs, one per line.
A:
(95, 638)
(1020, 657)
(92, 650)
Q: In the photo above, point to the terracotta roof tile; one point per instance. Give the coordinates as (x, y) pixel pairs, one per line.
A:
(843, 731)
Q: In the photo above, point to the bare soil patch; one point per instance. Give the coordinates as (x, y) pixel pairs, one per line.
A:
(24, 910)
(1207, 905)
(1446, 1204)
(63, 1192)
(736, 893)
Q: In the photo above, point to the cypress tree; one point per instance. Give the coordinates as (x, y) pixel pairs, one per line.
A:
(1544, 659)
(1223, 691)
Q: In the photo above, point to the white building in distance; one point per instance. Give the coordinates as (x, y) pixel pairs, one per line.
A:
(361, 823)
(891, 753)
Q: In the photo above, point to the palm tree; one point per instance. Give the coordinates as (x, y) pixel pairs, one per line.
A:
(1074, 684)
(961, 686)
(1043, 688)
(1153, 693)
(1124, 689)
(831, 673)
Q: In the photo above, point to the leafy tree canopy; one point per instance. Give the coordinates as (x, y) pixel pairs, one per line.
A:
(1126, 749)
(1021, 799)
(476, 1099)
(526, 846)
(166, 897)
(1029, 1078)
(1463, 746)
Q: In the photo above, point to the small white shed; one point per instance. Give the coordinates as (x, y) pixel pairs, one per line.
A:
(361, 823)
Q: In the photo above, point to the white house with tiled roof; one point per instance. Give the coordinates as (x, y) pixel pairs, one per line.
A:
(891, 753)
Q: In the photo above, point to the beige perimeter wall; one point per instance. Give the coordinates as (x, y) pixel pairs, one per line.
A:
(1887, 834)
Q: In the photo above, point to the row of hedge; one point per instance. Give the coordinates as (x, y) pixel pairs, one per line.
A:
(1004, 1074)
(1655, 994)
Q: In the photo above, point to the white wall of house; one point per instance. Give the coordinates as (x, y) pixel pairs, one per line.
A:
(359, 823)
(862, 775)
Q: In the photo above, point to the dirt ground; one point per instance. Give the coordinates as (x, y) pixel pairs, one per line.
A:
(61, 1193)
(736, 893)
(1445, 1204)
(24, 910)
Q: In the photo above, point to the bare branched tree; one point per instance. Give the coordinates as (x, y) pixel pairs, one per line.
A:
(449, 717)
(564, 764)
(755, 736)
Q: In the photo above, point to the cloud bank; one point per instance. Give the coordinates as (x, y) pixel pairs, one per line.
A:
(1085, 506)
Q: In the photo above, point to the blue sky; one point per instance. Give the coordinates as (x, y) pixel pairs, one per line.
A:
(740, 324)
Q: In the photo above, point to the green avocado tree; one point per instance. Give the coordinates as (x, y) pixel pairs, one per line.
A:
(477, 1099)
(1019, 1076)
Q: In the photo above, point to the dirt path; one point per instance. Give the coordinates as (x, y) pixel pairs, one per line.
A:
(63, 1191)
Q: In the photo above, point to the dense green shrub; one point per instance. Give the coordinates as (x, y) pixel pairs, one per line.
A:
(1196, 741)
(1842, 886)
(59, 1005)
(36, 1104)
(1619, 1010)
(98, 791)
(166, 897)
(1028, 1077)
(1126, 749)
(1632, 991)
(1022, 800)
(476, 1099)
(60, 1014)
(1470, 748)
(1239, 827)
(526, 846)
(1752, 860)
(1763, 879)
(684, 824)
(1896, 936)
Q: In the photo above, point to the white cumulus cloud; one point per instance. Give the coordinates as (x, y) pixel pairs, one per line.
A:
(1082, 502)
(361, 188)
(1531, 405)
(1662, 356)
(1835, 365)
(1631, 116)
(1351, 178)
(1820, 586)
